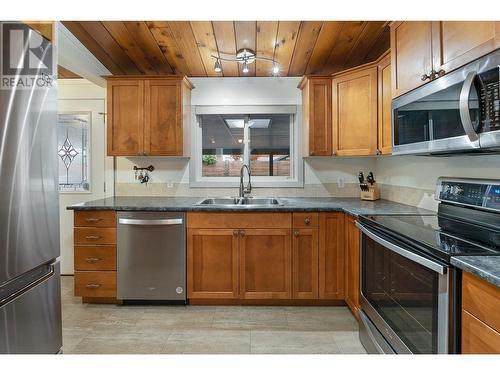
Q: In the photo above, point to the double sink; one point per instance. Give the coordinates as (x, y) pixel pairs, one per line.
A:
(240, 202)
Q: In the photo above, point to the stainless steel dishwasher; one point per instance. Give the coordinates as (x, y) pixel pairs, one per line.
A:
(151, 256)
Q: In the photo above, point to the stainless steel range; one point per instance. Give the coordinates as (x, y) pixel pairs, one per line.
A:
(410, 293)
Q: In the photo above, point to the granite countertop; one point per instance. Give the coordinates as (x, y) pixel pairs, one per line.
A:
(486, 267)
(353, 206)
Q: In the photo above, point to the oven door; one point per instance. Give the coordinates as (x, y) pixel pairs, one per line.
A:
(405, 295)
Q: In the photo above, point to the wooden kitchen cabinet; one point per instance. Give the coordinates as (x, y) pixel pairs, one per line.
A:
(148, 116)
(352, 259)
(384, 100)
(331, 255)
(212, 266)
(455, 43)
(265, 264)
(480, 319)
(354, 95)
(316, 115)
(425, 50)
(305, 262)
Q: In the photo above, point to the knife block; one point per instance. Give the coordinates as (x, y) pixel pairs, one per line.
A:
(372, 194)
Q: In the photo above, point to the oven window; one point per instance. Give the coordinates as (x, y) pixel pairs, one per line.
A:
(404, 293)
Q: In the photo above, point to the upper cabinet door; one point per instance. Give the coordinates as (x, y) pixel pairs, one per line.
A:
(317, 116)
(455, 43)
(125, 122)
(384, 106)
(355, 112)
(411, 51)
(163, 118)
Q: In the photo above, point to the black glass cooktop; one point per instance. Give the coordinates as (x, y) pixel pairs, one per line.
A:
(440, 236)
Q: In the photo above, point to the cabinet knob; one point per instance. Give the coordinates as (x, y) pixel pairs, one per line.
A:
(425, 77)
(307, 221)
(440, 72)
(378, 152)
(296, 233)
(242, 232)
(235, 232)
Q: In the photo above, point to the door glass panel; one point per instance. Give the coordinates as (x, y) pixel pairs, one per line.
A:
(269, 144)
(222, 145)
(404, 293)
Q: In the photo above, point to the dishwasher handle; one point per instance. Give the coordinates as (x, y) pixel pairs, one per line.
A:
(175, 221)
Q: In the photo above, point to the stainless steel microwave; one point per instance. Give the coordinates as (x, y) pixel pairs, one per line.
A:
(458, 112)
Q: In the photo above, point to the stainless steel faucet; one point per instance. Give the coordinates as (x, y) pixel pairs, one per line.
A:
(248, 189)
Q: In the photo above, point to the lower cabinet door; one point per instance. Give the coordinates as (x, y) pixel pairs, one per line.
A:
(305, 264)
(352, 265)
(265, 264)
(212, 263)
(331, 255)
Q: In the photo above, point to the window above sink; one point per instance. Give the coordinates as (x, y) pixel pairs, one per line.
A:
(266, 138)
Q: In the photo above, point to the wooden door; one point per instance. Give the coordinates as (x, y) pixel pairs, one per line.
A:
(456, 43)
(305, 263)
(331, 255)
(384, 107)
(163, 118)
(355, 112)
(411, 54)
(352, 266)
(317, 116)
(125, 119)
(212, 263)
(265, 264)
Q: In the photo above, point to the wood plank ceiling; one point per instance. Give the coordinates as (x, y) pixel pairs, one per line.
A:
(185, 47)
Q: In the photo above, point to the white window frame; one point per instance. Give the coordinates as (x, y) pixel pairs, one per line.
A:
(296, 178)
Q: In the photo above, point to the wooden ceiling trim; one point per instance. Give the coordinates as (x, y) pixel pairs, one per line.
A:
(129, 45)
(147, 43)
(308, 35)
(168, 46)
(93, 46)
(205, 40)
(63, 73)
(245, 33)
(285, 45)
(226, 44)
(113, 49)
(266, 42)
(186, 43)
(328, 35)
(348, 36)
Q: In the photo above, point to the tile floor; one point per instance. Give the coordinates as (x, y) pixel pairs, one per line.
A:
(109, 329)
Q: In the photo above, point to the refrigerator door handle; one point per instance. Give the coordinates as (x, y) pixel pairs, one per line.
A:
(20, 292)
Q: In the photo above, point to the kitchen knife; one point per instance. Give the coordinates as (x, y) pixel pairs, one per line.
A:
(370, 178)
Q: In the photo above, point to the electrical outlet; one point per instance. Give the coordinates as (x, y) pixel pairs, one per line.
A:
(340, 182)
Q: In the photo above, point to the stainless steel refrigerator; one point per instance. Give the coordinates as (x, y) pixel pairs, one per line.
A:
(30, 295)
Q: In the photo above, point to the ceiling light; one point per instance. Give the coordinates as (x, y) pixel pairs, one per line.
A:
(240, 140)
(244, 69)
(235, 123)
(217, 67)
(276, 68)
(260, 123)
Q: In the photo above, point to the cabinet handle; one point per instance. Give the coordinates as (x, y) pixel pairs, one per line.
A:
(425, 77)
(296, 233)
(92, 260)
(92, 220)
(92, 237)
(440, 72)
(93, 286)
(307, 221)
(242, 232)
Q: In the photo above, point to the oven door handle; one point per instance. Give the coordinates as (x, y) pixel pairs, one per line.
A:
(464, 107)
(403, 252)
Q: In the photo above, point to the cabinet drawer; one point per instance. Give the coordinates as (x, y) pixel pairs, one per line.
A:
(100, 219)
(225, 220)
(305, 219)
(95, 258)
(481, 299)
(92, 236)
(477, 337)
(95, 284)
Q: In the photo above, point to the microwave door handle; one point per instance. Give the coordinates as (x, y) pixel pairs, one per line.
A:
(464, 107)
(427, 263)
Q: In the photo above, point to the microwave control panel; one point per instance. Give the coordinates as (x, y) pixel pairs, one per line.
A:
(490, 99)
(479, 194)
